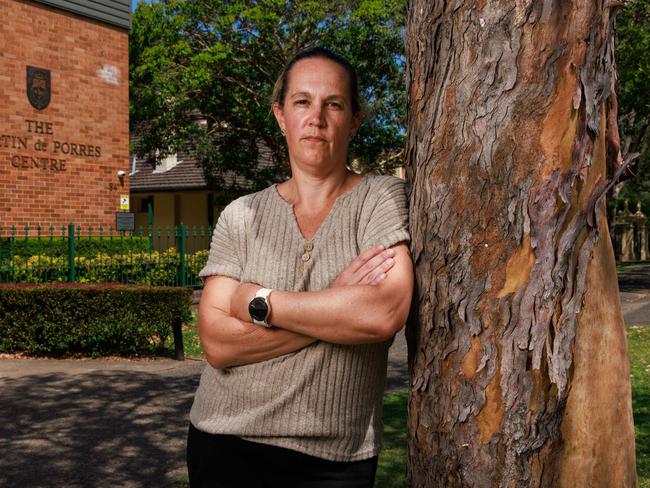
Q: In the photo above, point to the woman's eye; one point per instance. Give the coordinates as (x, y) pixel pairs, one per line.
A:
(302, 102)
(336, 105)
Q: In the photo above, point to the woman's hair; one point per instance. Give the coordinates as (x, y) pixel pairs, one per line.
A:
(280, 88)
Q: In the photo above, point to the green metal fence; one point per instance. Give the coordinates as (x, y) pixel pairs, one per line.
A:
(162, 256)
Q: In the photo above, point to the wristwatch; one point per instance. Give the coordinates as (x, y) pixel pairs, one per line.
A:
(259, 307)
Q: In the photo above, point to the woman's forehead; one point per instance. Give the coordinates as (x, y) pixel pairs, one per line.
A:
(318, 74)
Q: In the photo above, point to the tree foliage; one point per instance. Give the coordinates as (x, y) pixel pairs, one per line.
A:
(633, 64)
(220, 59)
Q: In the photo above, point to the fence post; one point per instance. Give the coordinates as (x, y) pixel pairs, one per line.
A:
(71, 253)
(179, 350)
(181, 250)
(150, 221)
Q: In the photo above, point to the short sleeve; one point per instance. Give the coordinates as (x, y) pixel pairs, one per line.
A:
(224, 259)
(388, 221)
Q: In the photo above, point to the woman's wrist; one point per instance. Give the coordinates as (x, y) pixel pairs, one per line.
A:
(240, 300)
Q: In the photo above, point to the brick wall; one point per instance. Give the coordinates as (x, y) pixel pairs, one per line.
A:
(84, 127)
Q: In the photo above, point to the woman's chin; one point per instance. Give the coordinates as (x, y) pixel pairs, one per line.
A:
(317, 159)
(321, 165)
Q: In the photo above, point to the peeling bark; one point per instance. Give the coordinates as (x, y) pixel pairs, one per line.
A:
(512, 143)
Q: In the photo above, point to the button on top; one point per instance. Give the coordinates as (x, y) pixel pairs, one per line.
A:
(309, 246)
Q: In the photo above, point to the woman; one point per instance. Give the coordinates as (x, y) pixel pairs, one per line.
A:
(295, 323)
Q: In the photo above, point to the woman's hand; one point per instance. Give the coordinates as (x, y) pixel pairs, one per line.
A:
(369, 268)
(357, 314)
(228, 341)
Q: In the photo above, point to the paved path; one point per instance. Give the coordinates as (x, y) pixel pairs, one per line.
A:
(634, 284)
(107, 423)
(102, 423)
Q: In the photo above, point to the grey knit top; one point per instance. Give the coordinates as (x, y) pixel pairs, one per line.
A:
(325, 399)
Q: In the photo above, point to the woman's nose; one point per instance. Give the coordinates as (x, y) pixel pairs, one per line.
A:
(317, 115)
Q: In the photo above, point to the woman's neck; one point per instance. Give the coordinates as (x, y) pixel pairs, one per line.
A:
(309, 191)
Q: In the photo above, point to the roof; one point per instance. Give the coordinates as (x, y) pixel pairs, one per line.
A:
(186, 175)
(114, 12)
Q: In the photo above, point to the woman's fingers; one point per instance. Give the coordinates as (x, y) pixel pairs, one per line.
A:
(351, 275)
(359, 270)
(378, 279)
(381, 262)
(377, 271)
(363, 258)
(367, 268)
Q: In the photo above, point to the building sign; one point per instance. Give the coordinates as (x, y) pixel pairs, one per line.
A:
(124, 202)
(39, 87)
(38, 149)
(125, 221)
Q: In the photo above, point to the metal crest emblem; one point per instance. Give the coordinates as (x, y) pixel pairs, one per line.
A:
(39, 87)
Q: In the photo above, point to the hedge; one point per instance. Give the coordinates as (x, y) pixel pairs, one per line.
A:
(150, 268)
(57, 247)
(95, 320)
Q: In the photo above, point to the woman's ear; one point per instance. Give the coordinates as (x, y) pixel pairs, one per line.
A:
(356, 122)
(279, 115)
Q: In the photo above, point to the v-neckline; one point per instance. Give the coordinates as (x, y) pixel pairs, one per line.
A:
(325, 223)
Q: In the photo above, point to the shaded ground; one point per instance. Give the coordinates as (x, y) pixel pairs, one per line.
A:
(101, 423)
(95, 429)
(635, 279)
(634, 285)
(98, 423)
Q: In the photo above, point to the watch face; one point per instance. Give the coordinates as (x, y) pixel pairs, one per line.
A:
(258, 309)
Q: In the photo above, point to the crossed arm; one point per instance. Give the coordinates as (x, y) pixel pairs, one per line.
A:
(368, 302)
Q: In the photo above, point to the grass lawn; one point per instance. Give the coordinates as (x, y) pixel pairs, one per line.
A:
(391, 472)
(627, 266)
(639, 349)
(191, 341)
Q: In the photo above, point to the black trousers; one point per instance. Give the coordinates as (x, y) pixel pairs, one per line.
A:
(226, 461)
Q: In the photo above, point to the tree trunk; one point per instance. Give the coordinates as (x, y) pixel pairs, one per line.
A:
(517, 351)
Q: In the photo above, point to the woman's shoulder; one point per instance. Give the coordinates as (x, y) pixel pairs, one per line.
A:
(249, 201)
(385, 181)
(238, 215)
(381, 185)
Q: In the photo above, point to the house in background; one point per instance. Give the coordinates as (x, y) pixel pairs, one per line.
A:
(173, 193)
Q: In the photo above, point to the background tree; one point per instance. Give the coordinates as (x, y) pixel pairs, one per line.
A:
(220, 58)
(518, 357)
(633, 65)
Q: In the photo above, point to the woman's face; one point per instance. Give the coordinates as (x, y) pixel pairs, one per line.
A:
(317, 114)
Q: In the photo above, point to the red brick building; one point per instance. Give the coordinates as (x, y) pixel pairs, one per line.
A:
(64, 117)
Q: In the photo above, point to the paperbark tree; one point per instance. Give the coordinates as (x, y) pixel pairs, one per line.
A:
(518, 357)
